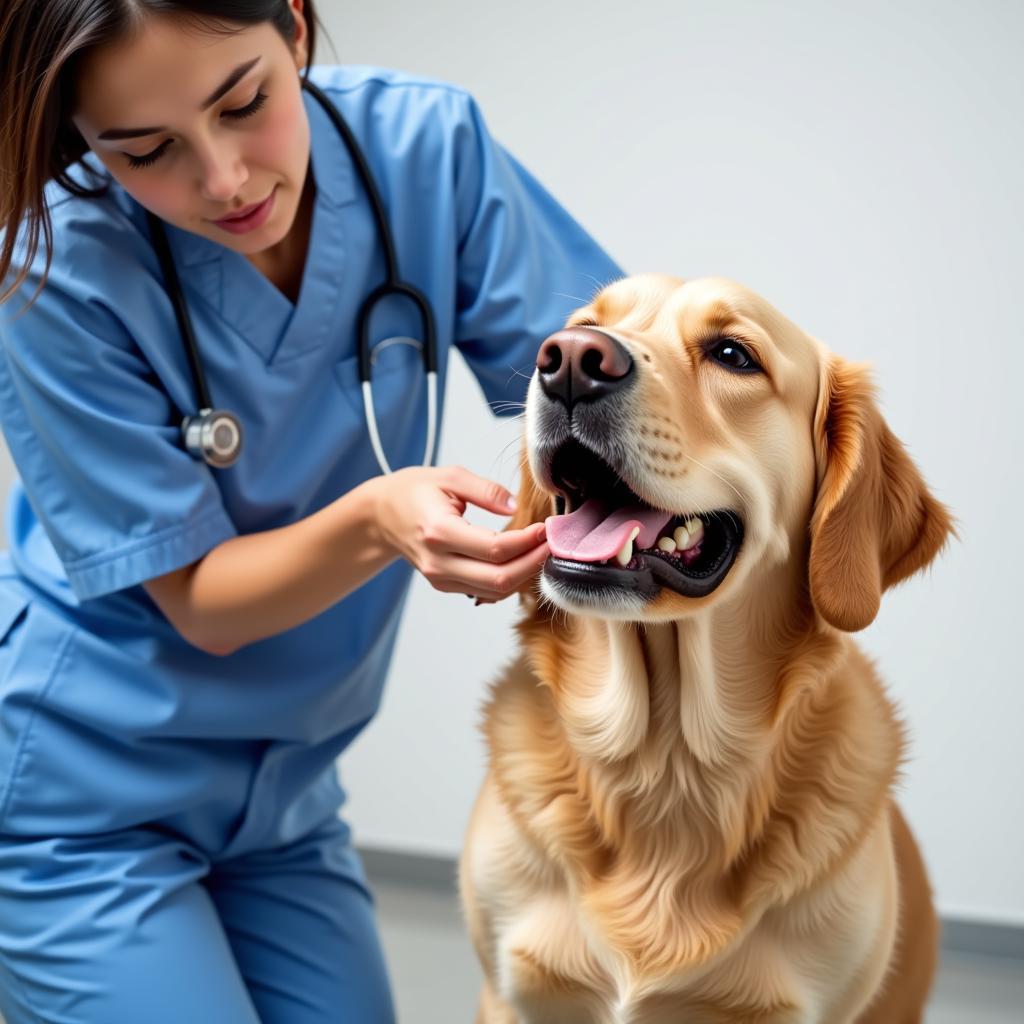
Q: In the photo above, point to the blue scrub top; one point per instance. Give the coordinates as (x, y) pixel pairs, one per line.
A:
(108, 718)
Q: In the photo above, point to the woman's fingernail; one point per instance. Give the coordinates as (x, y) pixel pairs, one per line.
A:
(510, 504)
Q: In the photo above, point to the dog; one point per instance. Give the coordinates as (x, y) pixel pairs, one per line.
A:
(688, 813)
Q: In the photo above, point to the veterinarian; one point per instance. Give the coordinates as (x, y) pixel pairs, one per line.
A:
(195, 624)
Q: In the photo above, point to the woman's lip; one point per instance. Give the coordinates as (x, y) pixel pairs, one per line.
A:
(243, 212)
(248, 217)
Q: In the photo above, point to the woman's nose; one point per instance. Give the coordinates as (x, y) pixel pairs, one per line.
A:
(223, 173)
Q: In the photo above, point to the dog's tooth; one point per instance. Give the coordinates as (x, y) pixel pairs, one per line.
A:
(680, 536)
(666, 544)
(692, 525)
(626, 553)
(696, 535)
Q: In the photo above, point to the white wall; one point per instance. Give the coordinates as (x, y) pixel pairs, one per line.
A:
(858, 166)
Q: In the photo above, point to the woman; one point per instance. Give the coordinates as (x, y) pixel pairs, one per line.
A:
(187, 648)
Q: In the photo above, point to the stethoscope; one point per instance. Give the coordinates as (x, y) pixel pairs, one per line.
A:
(215, 435)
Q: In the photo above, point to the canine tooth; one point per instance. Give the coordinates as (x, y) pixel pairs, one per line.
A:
(692, 525)
(696, 535)
(626, 553)
(666, 544)
(680, 536)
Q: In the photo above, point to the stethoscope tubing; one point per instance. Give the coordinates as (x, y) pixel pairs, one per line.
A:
(392, 286)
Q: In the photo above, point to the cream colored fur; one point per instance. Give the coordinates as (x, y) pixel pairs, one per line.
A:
(688, 813)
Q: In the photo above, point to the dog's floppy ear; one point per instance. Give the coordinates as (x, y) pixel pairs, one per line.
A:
(874, 521)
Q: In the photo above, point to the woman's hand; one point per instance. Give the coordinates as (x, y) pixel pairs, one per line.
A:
(419, 514)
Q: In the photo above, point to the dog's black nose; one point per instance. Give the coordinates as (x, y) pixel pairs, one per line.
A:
(580, 364)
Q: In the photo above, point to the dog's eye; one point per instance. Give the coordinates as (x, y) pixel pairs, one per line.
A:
(732, 354)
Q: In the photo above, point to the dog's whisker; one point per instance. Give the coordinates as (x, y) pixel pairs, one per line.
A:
(599, 284)
(505, 447)
(713, 473)
(575, 298)
(517, 373)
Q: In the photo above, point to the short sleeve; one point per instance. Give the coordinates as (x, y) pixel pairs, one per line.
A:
(523, 265)
(92, 431)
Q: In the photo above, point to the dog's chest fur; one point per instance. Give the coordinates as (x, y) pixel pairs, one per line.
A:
(629, 890)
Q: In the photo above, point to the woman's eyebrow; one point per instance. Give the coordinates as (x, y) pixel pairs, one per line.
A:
(229, 83)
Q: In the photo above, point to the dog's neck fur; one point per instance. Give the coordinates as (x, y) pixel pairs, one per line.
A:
(681, 729)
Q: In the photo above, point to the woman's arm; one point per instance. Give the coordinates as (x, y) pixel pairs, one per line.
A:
(255, 586)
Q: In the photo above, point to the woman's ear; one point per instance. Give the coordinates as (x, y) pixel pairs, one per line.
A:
(874, 521)
(300, 44)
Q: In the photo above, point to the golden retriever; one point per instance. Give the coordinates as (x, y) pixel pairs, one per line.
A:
(688, 814)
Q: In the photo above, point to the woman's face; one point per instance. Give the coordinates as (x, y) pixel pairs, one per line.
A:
(198, 126)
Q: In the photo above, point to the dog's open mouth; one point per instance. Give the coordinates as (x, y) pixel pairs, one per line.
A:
(607, 536)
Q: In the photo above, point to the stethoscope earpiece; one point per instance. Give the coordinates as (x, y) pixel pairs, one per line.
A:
(213, 435)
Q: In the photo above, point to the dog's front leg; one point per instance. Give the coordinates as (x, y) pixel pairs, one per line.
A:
(493, 1009)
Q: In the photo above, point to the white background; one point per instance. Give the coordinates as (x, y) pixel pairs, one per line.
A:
(860, 167)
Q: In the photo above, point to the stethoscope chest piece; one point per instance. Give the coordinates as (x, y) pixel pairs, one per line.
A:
(213, 435)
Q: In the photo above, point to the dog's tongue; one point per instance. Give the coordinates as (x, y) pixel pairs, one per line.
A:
(593, 533)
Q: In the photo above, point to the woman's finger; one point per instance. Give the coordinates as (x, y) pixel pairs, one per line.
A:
(449, 532)
(495, 582)
(484, 493)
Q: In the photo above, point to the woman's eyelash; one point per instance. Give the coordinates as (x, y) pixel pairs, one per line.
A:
(235, 115)
(147, 158)
(248, 110)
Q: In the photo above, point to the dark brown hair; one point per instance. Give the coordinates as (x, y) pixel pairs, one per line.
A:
(42, 42)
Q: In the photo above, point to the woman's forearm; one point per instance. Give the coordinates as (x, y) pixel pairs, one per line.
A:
(258, 585)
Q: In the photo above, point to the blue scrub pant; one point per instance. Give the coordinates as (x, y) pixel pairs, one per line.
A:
(139, 926)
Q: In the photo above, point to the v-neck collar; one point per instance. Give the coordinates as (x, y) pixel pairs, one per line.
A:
(248, 301)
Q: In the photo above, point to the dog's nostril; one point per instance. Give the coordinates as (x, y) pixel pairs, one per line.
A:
(591, 365)
(550, 358)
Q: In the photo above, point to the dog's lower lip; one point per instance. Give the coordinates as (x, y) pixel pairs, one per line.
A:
(650, 569)
(653, 570)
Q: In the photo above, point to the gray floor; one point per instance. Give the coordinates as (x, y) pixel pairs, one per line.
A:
(436, 977)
